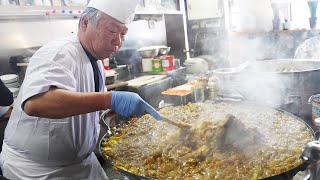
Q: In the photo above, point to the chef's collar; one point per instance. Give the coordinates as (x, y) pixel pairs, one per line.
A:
(92, 59)
(96, 71)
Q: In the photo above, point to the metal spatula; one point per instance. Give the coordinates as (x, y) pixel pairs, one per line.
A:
(178, 124)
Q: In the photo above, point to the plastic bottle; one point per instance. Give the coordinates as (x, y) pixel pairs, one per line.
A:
(106, 64)
(287, 25)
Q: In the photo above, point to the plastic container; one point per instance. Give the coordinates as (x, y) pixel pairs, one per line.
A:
(106, 64)
(314, 100)
(156, 65)
(147, 64)
(167, 62)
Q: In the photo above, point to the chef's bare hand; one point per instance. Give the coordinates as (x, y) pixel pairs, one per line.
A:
(130, 104)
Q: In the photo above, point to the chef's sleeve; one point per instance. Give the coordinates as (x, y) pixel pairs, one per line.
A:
(45, 72)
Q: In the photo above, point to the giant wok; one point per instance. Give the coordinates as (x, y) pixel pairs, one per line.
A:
(268, 146)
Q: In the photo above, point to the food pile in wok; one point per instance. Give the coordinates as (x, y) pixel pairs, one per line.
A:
(225, 141)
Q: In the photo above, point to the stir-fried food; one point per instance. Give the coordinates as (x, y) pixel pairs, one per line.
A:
(225, 141)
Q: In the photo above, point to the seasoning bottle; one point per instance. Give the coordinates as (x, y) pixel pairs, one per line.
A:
(213, 90)
(198, 94)
(202, 81)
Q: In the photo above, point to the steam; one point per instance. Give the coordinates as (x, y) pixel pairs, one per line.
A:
(168, 139)
(272, 87)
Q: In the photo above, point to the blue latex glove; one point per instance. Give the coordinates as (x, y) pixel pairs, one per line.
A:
(130, 104)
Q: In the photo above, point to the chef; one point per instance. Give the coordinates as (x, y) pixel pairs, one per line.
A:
(54, 126)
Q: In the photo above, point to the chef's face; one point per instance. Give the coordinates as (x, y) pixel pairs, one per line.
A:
(106, 37)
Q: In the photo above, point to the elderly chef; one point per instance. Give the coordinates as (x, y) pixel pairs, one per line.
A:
(54, 126)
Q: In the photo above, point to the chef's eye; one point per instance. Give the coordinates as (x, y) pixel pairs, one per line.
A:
(111, 30)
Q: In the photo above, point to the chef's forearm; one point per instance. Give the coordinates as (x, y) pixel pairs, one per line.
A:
(58, 103)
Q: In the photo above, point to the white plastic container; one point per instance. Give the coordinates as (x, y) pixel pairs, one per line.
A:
(147, 64)
(314, 100)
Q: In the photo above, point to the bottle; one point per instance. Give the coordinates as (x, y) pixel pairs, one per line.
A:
(287, 25)
(198, 94)
(213, 90)
(105, 63)
(202, 81)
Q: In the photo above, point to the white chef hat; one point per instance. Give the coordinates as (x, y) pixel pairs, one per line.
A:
(121, 10)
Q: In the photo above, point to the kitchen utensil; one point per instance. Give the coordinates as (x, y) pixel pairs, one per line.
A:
(149, 52)
(196, 65)
(116, 85)
(181, 125)
(164, 50)
(143, 80)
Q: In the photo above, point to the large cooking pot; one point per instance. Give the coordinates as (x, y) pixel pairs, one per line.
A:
(274, 81)
(289, 126)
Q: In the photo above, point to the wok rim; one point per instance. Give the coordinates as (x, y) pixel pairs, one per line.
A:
(245, 70)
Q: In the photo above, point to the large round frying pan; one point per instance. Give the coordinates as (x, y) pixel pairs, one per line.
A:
(283, 176)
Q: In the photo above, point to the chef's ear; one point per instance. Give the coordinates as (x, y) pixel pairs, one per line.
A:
(83, 23)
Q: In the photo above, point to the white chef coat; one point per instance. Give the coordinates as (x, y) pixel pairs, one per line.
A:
(49, 144)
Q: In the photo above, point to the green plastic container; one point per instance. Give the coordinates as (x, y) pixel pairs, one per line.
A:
(156, 65)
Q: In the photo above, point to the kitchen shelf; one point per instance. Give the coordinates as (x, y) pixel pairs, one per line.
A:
(31, 12)
(27, 12)
(21, 11)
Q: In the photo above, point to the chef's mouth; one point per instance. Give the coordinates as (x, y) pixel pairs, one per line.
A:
(110, 51)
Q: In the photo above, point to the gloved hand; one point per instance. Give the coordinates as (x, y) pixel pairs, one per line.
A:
(131, 104)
